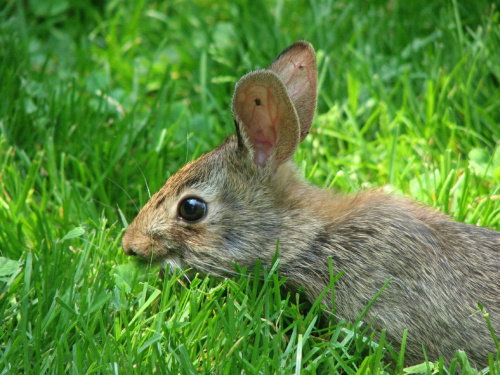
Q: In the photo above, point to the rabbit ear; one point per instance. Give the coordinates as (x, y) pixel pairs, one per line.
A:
(296, 66)
(266, 121)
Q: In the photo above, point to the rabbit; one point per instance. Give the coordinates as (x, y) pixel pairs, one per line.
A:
(233, 204)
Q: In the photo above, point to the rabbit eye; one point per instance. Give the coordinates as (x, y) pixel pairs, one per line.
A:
(192, 209)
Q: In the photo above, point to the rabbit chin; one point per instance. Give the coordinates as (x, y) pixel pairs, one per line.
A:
(175, 263)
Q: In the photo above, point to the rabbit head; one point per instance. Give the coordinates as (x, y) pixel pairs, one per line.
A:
(229, 205)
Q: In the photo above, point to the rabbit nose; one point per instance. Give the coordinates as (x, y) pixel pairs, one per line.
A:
(128, 245)
(129, 251)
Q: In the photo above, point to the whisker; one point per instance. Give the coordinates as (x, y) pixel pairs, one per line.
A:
(142, 173)
(125, 191)
(187, 147)
(103, 204)
(174, 265)
(203, 266)
(209, 272)
(186, 277)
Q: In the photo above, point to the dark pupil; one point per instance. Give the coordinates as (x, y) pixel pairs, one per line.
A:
(192, 209)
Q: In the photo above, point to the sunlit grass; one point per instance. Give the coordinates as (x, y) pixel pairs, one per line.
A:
(102, 101)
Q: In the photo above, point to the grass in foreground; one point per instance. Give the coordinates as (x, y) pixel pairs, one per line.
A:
(97, 100)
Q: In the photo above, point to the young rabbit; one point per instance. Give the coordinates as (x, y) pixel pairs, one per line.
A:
(234, 203)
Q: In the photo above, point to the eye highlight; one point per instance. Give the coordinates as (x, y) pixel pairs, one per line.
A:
(192, 209)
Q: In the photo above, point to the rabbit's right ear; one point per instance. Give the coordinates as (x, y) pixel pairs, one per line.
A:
(267, 124)
(296, 66)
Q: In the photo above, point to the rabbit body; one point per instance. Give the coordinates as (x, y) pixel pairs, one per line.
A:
(248, 195)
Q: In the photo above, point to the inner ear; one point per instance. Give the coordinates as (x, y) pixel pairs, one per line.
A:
(266, 118)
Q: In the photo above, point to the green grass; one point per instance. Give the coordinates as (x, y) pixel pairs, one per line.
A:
(102, 101)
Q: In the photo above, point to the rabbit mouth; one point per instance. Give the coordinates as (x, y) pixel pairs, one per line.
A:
(174, 261)
(191, 264)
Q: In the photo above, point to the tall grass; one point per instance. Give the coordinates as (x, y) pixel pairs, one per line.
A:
(102, 101)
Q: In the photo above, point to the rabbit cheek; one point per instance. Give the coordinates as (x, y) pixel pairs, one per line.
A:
(188, 237)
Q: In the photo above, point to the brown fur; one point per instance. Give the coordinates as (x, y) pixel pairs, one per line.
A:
(440, 269)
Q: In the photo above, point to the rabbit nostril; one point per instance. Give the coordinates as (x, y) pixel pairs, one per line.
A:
(128, 250)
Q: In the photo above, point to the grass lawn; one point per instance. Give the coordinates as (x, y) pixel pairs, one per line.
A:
(102, 101)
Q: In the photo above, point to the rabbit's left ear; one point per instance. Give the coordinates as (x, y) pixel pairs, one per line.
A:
(296, 66)
(274, 108)
(266, 121)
